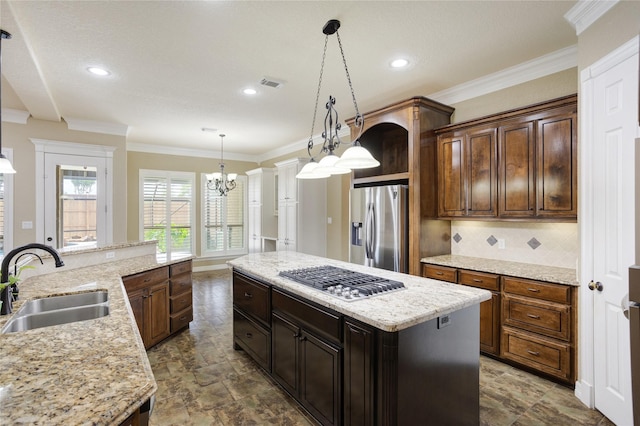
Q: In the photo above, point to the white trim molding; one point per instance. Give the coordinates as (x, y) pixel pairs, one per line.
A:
(542, 66)
(17, 116)
(96, 126)
(586, 12)
(188, 152)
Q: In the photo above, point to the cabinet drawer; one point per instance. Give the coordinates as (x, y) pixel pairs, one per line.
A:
(252, 297)
(180, 268)
(549, 356)
(181, 319)
(325, 322)
(550, 319)
(253, 339)
(145, 279)
(181, 302)
(538, 290)
(442, 273)
(180, 284)
(479, 279)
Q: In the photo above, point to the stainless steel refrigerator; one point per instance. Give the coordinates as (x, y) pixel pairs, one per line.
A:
(379, 227)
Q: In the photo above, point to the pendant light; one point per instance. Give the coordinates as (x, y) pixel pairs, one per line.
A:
(5, 164)
(221, 182)
(357, 157)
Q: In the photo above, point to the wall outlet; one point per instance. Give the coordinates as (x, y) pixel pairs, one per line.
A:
(111, 254)
(27, 224)
(501, 243)
(329, 220)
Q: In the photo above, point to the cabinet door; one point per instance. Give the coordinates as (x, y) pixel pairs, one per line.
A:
(282, 226)
(451, 176)
(481, 182)
(255, 228)
(358, 374)
(254, 189)
(490, 325)
(157, 306)
(284, 353)
(320, 384)
(136, 300)
(516, 150)
(556, 167)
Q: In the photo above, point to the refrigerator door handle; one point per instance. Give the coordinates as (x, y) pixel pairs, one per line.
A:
(370, 226)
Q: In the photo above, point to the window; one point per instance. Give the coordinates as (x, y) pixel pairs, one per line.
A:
(167, 211)
(6, 213)
(224, 220)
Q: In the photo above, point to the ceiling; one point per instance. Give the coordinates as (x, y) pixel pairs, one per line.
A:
(179, 66)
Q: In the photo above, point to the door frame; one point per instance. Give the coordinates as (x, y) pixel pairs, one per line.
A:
(584, 387)
(45, 146)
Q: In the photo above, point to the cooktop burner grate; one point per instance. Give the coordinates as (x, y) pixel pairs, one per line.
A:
(343, 283)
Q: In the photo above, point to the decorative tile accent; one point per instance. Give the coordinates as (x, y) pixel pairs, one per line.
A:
(457, 238)
(492, 240)
(533, 243)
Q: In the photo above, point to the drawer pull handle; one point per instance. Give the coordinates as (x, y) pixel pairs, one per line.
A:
(249, 295)
(146, 280)
(533, 316)
(534, 353)
(477, 280)
(249, 335)
(439, 273)
(534, 290)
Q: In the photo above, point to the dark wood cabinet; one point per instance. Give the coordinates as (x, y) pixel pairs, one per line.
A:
(306, 365)
(520, 164)
(359, 379)
(161, 301)
(539, 327)
(489, 309)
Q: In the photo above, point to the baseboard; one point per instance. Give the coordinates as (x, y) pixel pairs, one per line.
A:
(584, 392)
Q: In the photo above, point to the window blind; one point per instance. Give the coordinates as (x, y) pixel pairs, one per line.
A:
(224, 220)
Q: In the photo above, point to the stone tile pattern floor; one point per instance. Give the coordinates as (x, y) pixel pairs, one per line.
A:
(202, 380)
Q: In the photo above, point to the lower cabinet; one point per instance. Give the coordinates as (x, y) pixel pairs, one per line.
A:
(149, 298)
(161, 302)
(359, 378)
(307, 355)
(527, 322)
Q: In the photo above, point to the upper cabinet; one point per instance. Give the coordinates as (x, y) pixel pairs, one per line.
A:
(261, 208)
(520, 164)
(401, 137)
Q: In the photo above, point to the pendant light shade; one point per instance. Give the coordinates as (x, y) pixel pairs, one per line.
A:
(309, 171)
(5, 165)
(328, 165)
(357, 157)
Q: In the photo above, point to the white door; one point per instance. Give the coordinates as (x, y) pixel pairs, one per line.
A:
(255, 231)
(611, 110)
(74, 201)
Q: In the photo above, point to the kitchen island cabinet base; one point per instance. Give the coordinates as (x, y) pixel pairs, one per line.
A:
(424, 374)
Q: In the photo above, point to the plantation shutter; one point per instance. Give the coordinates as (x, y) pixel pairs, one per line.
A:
(224, 220)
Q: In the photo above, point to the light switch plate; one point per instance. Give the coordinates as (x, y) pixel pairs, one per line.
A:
(27, 224)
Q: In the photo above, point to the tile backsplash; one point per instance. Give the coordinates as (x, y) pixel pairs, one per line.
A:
(550, 244)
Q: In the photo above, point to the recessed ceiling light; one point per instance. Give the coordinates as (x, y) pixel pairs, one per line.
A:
(98, 71)
(399, 63)
(249, 91)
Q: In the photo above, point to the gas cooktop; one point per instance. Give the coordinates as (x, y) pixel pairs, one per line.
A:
(343, 283)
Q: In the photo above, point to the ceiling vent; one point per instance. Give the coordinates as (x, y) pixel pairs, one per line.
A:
(271, 82)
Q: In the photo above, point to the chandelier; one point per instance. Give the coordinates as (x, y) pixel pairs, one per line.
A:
(5, 164)
(356, 156)
(221, 182)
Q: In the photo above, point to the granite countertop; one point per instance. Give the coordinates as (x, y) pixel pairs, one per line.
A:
(550, 274)
(424, 299)
(89, 372)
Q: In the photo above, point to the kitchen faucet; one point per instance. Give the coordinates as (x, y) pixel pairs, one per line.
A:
(6, 294)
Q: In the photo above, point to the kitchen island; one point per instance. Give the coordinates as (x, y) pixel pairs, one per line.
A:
(88, 372)
(402, 357)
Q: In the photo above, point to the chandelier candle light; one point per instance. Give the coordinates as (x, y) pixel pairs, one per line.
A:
(221, 181)
(356, 156)
(5, 164)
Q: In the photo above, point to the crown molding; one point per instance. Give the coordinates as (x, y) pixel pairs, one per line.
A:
(542, 66)
(96, 126)
(586, 12)
(17, 116)
(188, 152)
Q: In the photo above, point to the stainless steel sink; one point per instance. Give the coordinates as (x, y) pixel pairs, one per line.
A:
(58, 310)
(54, 303)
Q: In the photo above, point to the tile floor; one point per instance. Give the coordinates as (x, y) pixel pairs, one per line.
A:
(202, 380)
